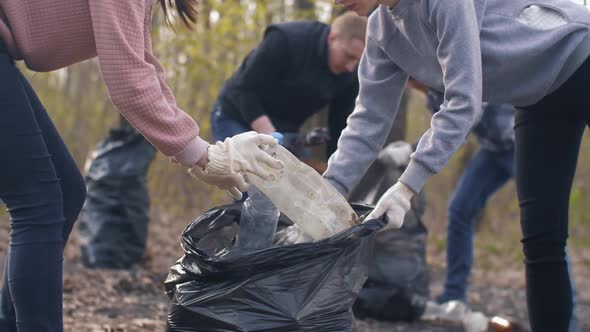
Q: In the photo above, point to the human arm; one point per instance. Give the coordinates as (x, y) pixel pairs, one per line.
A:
(460, 57)
(136, 84)
(381, 84)
(121, 32)
(259, 74)
(263, 125)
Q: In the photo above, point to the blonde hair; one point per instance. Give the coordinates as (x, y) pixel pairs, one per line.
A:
(350, 26)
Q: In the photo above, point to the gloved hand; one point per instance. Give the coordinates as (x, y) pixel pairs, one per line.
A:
(396, 154)
(242, 153)
(395, 203)
(233, 183)
(318, 136)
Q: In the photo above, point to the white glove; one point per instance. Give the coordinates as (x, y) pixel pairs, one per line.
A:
(395, 203)
(396, 154)
(233, 183)
(242, 153)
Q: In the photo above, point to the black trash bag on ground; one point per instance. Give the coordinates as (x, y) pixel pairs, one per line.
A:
(397, 286)
(113, 223)
(302, 287)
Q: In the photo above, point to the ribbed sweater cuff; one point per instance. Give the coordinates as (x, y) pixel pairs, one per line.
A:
(415, 176)
(192, 152)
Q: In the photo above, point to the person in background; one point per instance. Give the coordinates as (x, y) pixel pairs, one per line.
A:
(469, 59)
(298, 69)
(491, 167)
(39, 180)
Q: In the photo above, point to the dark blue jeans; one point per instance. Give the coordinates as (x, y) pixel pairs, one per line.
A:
(43, 192)
(222, 126)
(485, 174)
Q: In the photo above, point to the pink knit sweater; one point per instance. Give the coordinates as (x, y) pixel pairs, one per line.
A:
(52, 34)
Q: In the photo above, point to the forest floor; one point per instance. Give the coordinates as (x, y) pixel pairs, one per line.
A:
(134, 300)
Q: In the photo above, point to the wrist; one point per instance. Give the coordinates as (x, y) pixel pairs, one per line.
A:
(403, 190)
(415, 175)
(263, 125)
(202, 163)
(192, 153)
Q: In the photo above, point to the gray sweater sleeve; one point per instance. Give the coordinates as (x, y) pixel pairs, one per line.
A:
(459, 54)
(381, 84)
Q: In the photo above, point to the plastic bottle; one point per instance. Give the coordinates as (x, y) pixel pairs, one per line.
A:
(258, 219)
(456, 313)
(475, 321)
(306, 198)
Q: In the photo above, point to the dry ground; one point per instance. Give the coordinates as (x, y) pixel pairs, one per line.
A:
(106, 300)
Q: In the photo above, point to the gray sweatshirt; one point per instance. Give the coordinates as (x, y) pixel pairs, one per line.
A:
(495, 128)
(498, 51)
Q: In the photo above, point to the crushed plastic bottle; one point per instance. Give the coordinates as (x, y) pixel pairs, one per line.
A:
(258, 218)
(291, 235)
(456, 313)
(258, 222)
(475, 321)
(451, 311)
(305, 197)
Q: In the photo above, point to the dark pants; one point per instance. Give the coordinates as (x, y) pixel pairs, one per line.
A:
(485, 174)
(223, 126)
(44, 192)
(548, 136)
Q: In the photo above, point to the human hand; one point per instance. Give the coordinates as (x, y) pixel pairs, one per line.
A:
(243, 153)
(395, 203)
(233, 183)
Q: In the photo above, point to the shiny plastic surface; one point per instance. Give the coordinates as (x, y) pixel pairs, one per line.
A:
(303, 287)
(306, 198)
(258, 222)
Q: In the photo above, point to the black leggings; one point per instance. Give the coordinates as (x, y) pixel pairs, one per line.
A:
(43, 191)
(548, 136)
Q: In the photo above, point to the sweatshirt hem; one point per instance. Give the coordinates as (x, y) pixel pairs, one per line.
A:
(575, 61)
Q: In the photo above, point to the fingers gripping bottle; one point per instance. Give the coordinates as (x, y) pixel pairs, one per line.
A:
(258, 219)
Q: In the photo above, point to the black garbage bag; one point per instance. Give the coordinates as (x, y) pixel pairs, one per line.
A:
(302, 287)
(397, 286)
(113, 223)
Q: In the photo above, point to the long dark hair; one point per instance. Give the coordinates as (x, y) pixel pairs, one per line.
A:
(187, 10)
